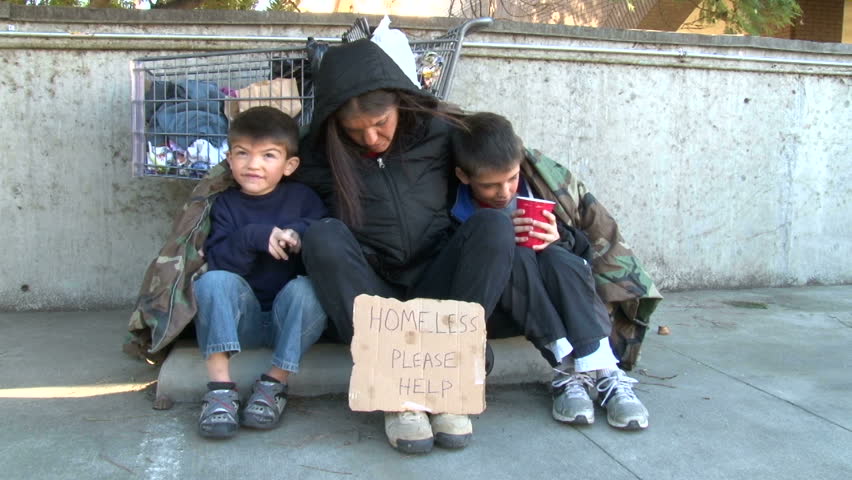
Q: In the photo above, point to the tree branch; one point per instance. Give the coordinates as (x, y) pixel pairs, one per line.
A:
(177, 4)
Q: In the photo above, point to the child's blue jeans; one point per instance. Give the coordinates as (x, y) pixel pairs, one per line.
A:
(230, 318)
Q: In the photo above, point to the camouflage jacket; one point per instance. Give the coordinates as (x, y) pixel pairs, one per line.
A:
(166, 305)
(622, 282)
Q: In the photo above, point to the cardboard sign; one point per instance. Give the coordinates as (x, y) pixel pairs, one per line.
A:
(421, 354)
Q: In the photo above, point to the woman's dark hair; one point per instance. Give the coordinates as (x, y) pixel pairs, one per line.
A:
(345, 157)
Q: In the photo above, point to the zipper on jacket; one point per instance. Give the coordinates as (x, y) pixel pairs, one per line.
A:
(406, 241)
(380, 162)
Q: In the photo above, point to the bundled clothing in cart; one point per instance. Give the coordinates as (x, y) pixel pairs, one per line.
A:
(191, 107)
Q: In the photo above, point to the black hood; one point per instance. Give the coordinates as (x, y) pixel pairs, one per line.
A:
(350, 70)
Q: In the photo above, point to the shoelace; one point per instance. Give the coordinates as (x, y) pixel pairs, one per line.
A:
(617, 385)
(573, 382)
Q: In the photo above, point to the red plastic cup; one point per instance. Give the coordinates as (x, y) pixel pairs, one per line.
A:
(533, 208)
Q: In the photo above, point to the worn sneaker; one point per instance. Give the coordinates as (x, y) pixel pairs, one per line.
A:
(451, 431)
(623, 408)
(265, 405)
(409, 432)
(571, 402)
(219, 414)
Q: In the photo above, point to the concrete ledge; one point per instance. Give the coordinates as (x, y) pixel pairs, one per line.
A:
(326, 369)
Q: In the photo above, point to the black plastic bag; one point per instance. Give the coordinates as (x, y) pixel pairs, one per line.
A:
(302, 70)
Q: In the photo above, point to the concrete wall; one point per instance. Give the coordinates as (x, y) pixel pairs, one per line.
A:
(726, 160)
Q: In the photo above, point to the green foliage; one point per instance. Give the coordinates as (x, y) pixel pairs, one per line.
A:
(127, 4)
(754, 17)
(51, 3)
(283, 6)
(228, 4)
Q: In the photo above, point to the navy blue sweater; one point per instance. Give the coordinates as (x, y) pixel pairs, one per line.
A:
(240, 229)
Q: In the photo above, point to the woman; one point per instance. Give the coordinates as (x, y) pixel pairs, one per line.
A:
(380, 157)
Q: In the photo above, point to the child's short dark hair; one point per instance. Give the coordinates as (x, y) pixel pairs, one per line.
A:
(266, 123)
(486, 141)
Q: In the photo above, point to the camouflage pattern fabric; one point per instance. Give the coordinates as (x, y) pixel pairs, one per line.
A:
(166, 305)
(622, 282)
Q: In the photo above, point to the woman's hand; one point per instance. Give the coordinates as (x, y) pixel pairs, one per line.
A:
(524, 229)
(283, 241)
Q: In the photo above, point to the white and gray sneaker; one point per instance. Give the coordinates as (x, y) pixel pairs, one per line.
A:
(623, 408)
(409, 431)
(451, 431)
(571, 402)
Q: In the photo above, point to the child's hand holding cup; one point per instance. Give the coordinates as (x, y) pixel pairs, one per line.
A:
(534, 209)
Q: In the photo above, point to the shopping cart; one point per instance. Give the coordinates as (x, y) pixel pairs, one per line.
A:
(181, 105)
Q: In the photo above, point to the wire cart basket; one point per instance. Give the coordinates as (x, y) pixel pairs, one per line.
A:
(181, 105)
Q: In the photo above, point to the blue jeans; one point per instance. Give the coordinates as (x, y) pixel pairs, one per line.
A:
(230, 318)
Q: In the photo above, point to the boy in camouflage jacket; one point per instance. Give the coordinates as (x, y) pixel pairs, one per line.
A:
(551, 296)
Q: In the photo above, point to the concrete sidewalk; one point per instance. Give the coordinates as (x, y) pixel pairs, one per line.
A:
(736, 391)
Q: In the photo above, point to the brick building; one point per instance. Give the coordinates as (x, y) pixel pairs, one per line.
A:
(822, 21)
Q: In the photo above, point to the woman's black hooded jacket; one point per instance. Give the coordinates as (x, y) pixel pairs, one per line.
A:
(406, 201)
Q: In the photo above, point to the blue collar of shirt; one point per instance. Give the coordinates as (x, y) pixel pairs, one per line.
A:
(464, 206)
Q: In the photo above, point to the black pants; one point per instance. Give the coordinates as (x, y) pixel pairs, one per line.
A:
(551, 294)
(474, 266)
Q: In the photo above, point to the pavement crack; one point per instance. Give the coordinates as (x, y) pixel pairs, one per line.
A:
(116, 464)
(325, 470)
(842, 322)
(740, 380)
(601, 448)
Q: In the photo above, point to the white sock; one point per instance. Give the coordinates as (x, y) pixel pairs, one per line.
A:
(561, 348)
(601, 359)
(605, 372)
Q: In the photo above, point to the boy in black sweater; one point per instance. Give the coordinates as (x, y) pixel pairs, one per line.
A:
(251, 296)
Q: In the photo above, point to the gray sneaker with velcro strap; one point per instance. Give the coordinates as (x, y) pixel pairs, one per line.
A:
(219, 414)
(265, 405)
